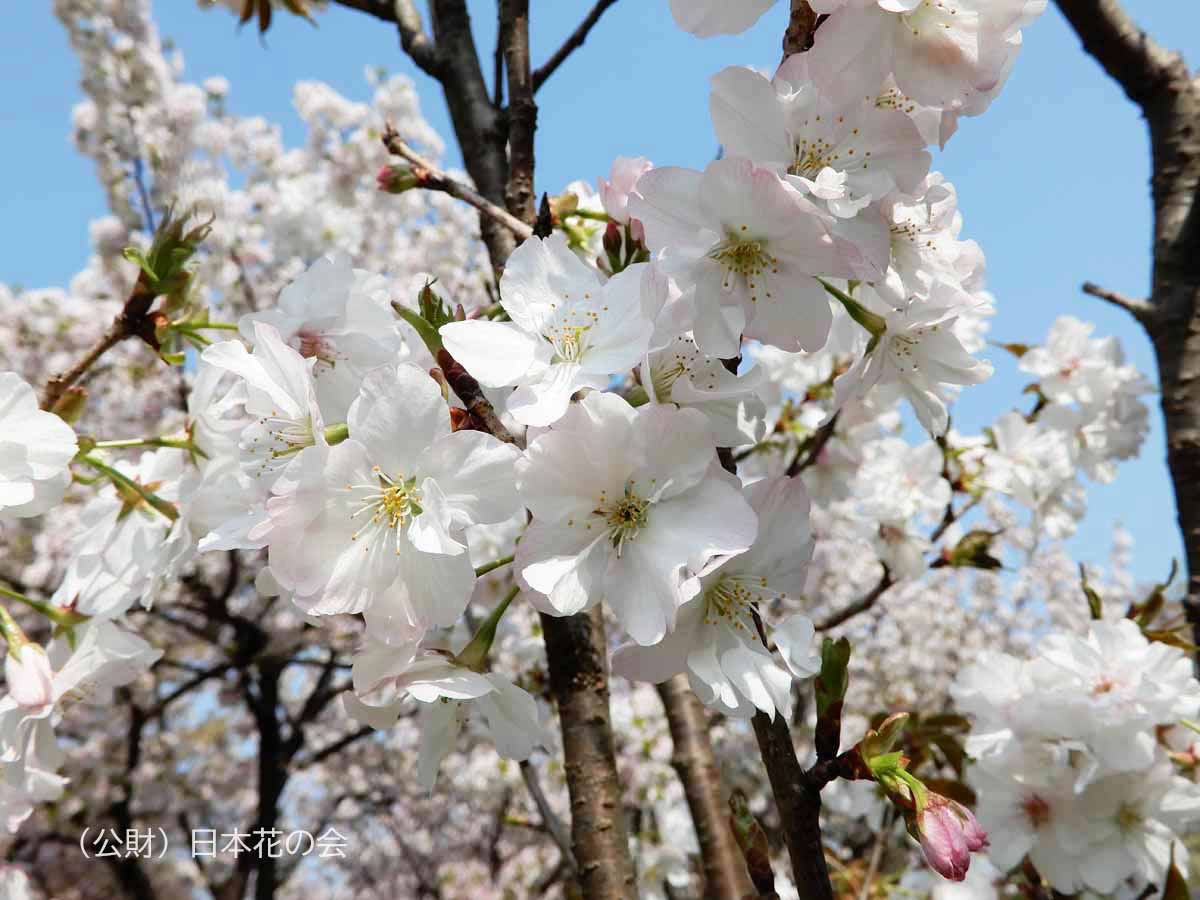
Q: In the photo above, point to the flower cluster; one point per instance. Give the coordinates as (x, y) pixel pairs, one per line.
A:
(1072, 755)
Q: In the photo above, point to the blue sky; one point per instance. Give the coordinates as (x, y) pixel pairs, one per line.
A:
(1052, 181)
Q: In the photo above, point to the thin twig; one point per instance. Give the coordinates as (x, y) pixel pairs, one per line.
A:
(432, 178)
(1139, 309)
(571, 44)
(808, 452)
(550, 819)
(861, 605)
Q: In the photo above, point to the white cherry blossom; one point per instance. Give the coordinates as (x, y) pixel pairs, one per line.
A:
(375, 523)
(746, 245)
(36, 449)
(570, 329)
(626, 510)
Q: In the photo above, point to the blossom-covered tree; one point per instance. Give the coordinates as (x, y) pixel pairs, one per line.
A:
(336, 486)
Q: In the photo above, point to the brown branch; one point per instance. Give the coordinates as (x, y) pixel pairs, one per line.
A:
(860, 605)
(59, 384)
(1139, 309)
(799, 804)
(576, 653)
(1130, 56)
(571, 44)
(802, 25)
(432, 178)
(134, 320)
(522, 110)
(414, 40)
(478, 125)
(406, 17)
(696, 766)
(807, 452)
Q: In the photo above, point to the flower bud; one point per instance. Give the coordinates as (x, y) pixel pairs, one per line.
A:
(612, 239)
(396, 178)
(949, 833)
(29, 676)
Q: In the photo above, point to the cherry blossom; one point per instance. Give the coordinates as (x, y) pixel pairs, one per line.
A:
(569, 330)
(35, 450)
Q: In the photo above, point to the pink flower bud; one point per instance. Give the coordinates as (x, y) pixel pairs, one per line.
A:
(395, 179)
(614, 193)
(29, 676)
(949, 833)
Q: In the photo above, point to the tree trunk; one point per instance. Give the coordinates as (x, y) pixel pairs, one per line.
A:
(1160, 83)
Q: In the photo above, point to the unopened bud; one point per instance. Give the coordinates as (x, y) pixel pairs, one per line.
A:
(612, 238)
(949, 833)
(396, 178)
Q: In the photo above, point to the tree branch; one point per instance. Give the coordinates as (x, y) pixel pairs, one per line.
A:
(1130, 56)
(522, 111)
(571, 44)
(860, 605)
(414, 40)
(799, 804)
(576, 653)
(552, 822)
(432, 178)
(802, 25)
(478, 125)
(696, 766)
(1141, 310)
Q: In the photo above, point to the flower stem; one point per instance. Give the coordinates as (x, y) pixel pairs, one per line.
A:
(55, 614)
(492, 566)
(123, 481)
(474, 655)
(875, 324)
(126, 443)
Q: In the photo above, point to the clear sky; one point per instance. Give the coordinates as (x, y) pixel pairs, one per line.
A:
(1052, 181)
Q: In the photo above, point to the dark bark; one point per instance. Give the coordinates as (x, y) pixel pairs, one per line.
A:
(522, 111)
(478, 125)
(799, 804)
(1159, 82)
(576, 653)
(128, 869)
(694, 762)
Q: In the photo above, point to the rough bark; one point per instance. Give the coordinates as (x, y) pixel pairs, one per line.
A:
(522, 110)
(478, 126)
(694, 762)
(576, 653)
(1159, 82)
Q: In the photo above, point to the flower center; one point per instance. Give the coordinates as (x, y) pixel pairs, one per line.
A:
(314, 345)
(811, 157)
(625, 518)
(732, 601)
(390, 503)
(747, 259)
(1129, 818)
(569, 343)
(1036, 810)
